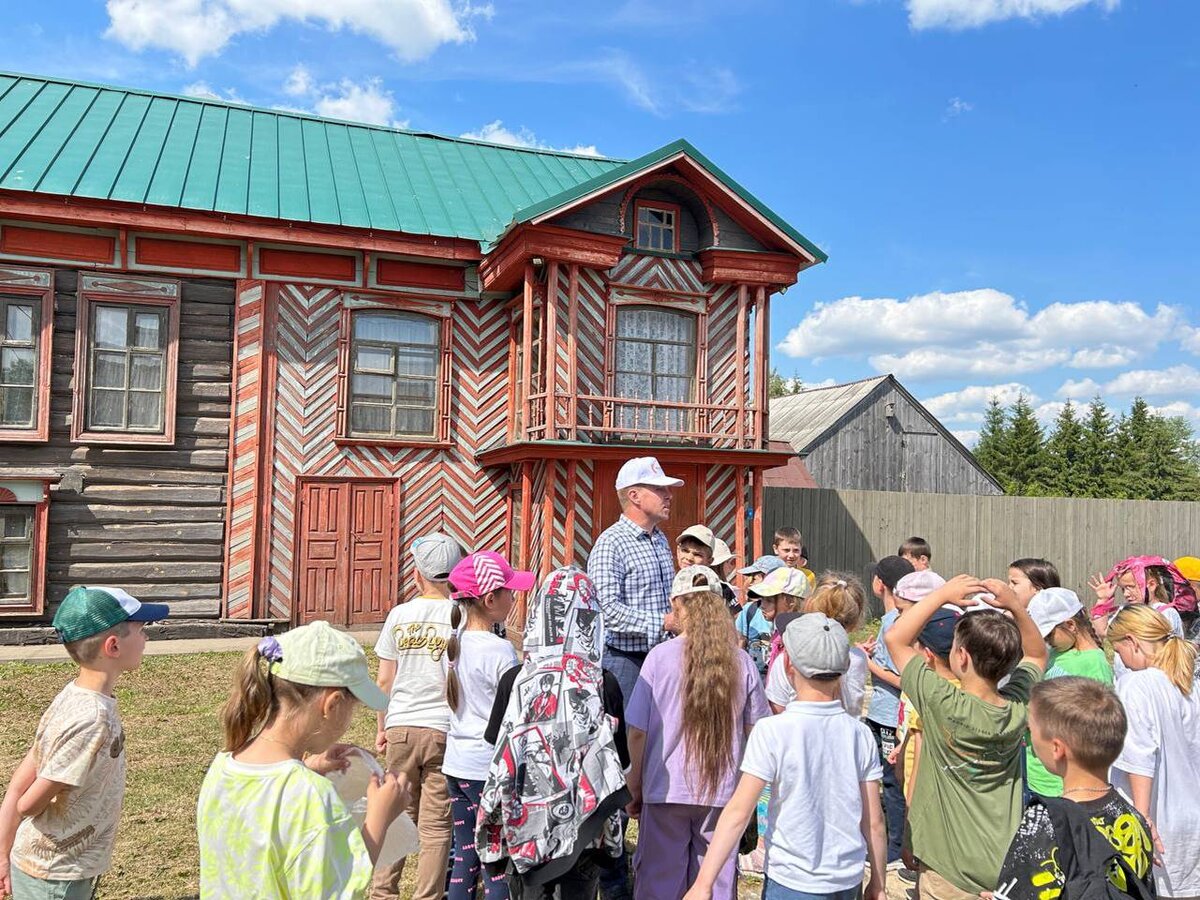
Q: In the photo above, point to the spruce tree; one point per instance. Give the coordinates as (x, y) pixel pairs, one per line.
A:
(1025, 450)
(1065, 476)
(990, 449)
(1134, 469)
(1096, 463)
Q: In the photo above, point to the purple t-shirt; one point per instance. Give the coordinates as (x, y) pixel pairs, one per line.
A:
(656, 708)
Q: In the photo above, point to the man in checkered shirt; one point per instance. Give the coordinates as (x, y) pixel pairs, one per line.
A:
(632, 567)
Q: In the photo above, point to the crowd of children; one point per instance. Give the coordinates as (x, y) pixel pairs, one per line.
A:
(993, 757)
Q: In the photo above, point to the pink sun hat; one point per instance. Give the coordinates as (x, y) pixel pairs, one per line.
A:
(485, 571)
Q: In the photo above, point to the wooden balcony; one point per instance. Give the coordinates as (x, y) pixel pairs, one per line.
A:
(592, 418)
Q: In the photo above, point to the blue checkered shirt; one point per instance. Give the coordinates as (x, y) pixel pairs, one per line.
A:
(632, 570)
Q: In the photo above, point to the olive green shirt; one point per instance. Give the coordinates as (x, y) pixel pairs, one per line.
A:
(967, 803)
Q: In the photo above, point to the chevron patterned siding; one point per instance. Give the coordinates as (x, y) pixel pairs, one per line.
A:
(243, 454)
(721, 502)
(440, 489)
(593, 297)
(657, 272)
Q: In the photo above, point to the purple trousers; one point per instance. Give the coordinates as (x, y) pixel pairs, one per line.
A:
(672, 841)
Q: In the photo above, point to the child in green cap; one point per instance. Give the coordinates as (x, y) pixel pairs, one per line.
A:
(59, 818)
(271, 826)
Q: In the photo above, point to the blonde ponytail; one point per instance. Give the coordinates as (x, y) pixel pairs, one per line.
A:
(841, 597)
(1172, 654)
(257, 697)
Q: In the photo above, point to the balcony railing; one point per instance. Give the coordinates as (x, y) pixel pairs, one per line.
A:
(600, 419)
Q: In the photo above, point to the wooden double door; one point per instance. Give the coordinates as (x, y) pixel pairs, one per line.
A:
(346, 550)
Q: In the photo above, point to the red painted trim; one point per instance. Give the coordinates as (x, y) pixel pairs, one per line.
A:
(658, 176)
(79, 432)
(569, 525)
(660, 206)
(756, 524)
(170, 253)
(739, 361)
(260, 595)
(526, 512)
(305, 264)
(740, 516)
(501, 269)
(526, 355)
(404, 273)
(37, 556)
(777, 270)
(76, 211)
(572, 356)
(46, 243)
(40, 432)
(548, 518)
(529, 451)
(550, 343)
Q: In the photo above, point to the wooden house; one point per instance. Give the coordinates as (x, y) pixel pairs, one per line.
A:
(873, 435)
(248, 355)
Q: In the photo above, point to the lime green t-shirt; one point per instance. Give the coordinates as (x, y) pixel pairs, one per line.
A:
(1086, 664)
(967, 802)
(277, 832)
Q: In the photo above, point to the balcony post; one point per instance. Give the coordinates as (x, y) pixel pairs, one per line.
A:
(551, 341)
(527, 354)
(739, 359)
(573, 353)
(761, 389)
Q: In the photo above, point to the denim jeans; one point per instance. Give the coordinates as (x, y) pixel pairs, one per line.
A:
(773, 890)
(26, 887)
(894, 807)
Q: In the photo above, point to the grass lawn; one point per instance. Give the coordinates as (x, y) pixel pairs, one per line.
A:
(169, 710)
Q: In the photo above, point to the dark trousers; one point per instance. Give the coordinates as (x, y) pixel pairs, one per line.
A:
(465, 865)
(614, 873)
(578, 884)
(894, 808)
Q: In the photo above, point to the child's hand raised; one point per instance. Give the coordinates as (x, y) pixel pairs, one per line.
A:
(961, 590)
(1103, 590)
(1002, 596)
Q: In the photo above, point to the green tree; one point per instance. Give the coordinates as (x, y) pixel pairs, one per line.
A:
(990, 449)
(1025, 452)
(1131, 454)
(778, 386)
(1065, 475)
(1097, 453)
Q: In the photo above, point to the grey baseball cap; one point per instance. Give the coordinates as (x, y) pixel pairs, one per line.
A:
(817, 646)
(436, 555)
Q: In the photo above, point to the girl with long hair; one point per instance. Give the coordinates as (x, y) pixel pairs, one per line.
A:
(476, 661)
(270, 824)
(1159, 766)
(695, 701)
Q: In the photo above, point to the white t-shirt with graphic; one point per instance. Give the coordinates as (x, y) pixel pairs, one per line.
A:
(80, 743)
(415, 635)
(483, 660)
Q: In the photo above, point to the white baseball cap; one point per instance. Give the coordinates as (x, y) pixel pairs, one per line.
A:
(645, 470)
(701, 533)
(685, 581)
(721, 552)
(1051, 607)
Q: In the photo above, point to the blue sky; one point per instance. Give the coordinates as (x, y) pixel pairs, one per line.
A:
(1007, 188)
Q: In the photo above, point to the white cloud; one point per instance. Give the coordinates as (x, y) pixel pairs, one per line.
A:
(968, 438)
(966, 405)
(1177, 381)
(194, 29)
(1179, 408)
(1190, 339)
(982, 332)
(955, 108)
(960, 14)
(494, 132)
(203, 91)
(1047, 412)
(366, 102)
(299, 82)
(1083, 389)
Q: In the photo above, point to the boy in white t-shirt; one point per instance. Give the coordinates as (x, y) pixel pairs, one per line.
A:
(59, 817)
(412, 671)
(825, 820)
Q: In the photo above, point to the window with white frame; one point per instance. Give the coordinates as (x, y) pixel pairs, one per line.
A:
(657, 227)
(655, 360)
(394, 376)
(16, 555)
(127, 368)
(20, 327)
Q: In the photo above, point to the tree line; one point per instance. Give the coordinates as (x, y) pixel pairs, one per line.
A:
(1089, 452)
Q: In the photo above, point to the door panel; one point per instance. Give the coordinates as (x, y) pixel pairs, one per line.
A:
(346, 565)
(685, 509)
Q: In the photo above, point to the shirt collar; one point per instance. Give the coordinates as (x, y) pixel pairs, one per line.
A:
(815, 708)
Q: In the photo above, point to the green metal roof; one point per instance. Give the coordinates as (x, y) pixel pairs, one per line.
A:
(70, 138)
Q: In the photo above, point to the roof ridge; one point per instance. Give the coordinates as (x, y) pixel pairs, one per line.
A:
(296, 114)
(830, 387)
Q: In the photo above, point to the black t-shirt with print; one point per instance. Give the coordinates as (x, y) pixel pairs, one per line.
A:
(1034, 870)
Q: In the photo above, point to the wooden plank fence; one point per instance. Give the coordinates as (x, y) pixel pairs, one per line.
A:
(848, 530)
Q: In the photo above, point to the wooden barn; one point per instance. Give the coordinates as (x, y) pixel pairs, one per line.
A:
(247, 355)
(873, 435)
